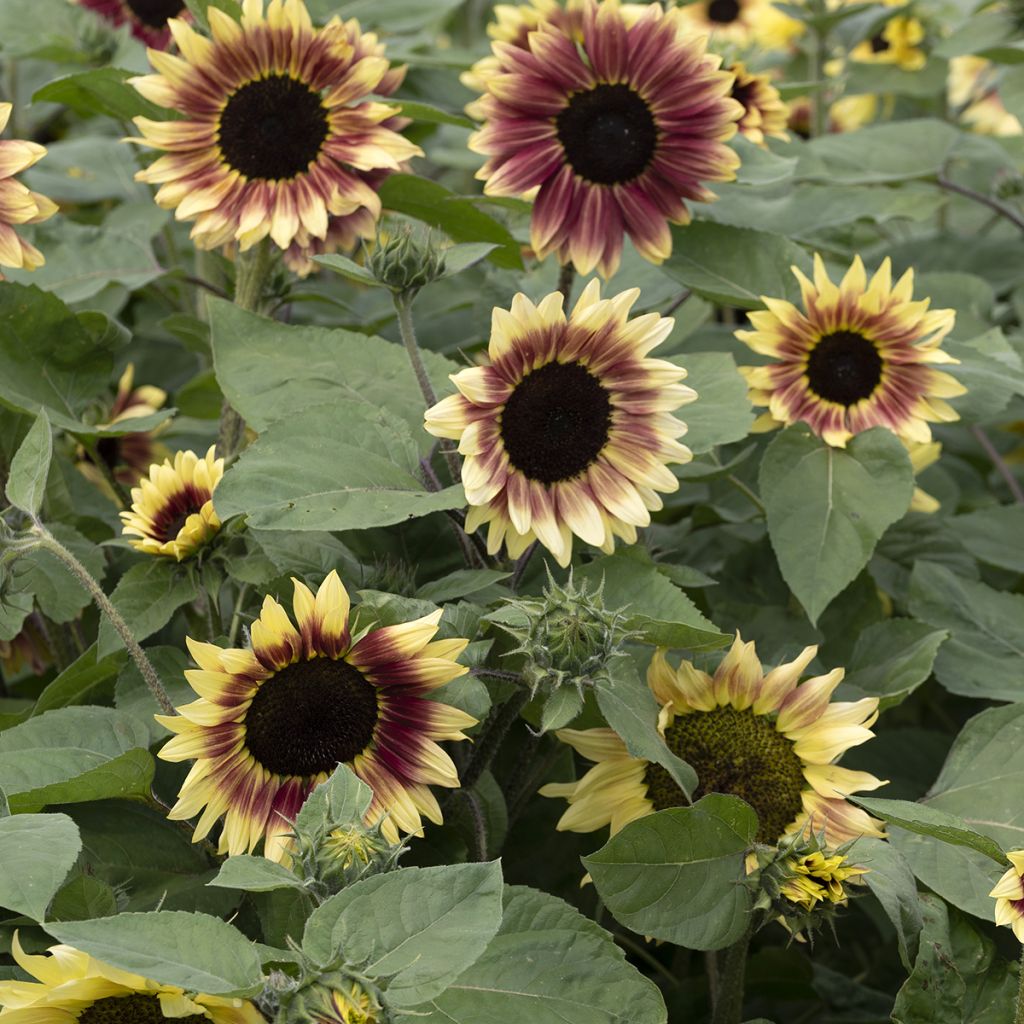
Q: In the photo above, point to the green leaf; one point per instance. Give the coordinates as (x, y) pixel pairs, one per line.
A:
(339, 800)
(133, 696)
(982, 656)
(677, 874)
(722, 412)
(58, 592)
(655, 607)
(40, 28)
(348, 268)
(83, 897)
(80, 682)
(420, 928)
(37, 852)
(434, 115)
(934, 992)
(827, 507)
(460, 583)
(931, 821)
(146, 596)
(268, 370)
(992, 371)
(74, 754)
(455, 215)
(892, 883)
(984, 534)
(47, 360)
(890, 661)
(101, 91)
(196, 952)
(26, 483)
(255, 874)
(547, 965)
(345, 466)
(734, 266)
(630, 709)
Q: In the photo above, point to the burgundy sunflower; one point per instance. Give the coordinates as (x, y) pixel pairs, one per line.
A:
(277, 136)
(273, 722)
(147, 19)
(612, 131)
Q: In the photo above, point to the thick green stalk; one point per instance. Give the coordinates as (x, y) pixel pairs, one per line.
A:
(1018, 1016)
(727, 996)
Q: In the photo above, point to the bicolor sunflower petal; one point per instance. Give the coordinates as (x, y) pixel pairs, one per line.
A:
(71, 986)
(858, 355)
(741, 23)
(272, 723)
(172, 510)
(743, 731)
(764, 112)
(612, 119)
(277, 137)
(147, 19)
(567, 431)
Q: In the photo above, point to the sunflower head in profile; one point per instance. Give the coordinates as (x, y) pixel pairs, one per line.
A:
(897, 42)
(73, 987)
(276, 134)
(858, 355)
(18, 204)
(612, 131)
(273, 722)
(1009, 895)
(172, 509)
(147, 19)
(756, 735)
(764, 113)
(569, 428)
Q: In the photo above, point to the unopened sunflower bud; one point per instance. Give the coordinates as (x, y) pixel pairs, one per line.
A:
(406, 264)
(352, 852)
(333, 998)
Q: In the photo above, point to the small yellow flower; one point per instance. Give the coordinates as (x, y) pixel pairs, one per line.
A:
(764, 112)
(816, 878)
(897, 42)
(1009, 895)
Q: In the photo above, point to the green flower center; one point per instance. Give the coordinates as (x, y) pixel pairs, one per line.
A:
(154, 13)
(273, 128)
(734, 752)
(132, 1009)
(723, 12)
(844, 367)
(310, 717)
(608, 134)
(556, 422)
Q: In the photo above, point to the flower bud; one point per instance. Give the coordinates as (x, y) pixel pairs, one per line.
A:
(405, 264)
(352, 852)
(332, 998)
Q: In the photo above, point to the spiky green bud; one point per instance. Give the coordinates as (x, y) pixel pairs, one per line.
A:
(332, 998)
(405, 263)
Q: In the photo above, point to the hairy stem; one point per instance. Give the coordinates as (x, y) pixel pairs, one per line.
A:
(1018, 1014)
(472, 802)
(521, 565)
(728, 992)
(993, 204)
(145, 666)
(1000, 464)
(489, 743)
(236, 615)
(566, 279)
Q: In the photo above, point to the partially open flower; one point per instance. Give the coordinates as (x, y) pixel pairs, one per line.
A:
(764, 113)
(815, 879)
(1009, 895)
(147, 19)
(332, 998)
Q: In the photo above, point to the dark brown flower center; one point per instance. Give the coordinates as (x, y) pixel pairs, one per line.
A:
(879, 44)
(723, 12)
(744, 94)
(175, 511)
(608, 134)
(844, 367)
(109, 450)
(133, 1009)
(154, 13)
(272, 129)
(739, 753)
(556, 422)
(310, 717)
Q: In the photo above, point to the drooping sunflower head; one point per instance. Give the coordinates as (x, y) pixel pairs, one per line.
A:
(764, 112)
(147, 19)
(273, 722)
(897, 42)
(276, 135)
(19, 205)
(1009, 895)
(172, 509)
(72, 986)
(753, 734)
(569, 429)
(858, 355)
(612, 131)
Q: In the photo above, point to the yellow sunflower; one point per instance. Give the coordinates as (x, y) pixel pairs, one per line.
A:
(1009, 895)
(973, 92)
(73, 988)
(19, 205)
(569, 428)
(816, 878)
(172, 509)
(741, 22)
(897, 42)
(755, 735)
(764, 112)
(857, 356)
(276, 136)
(273, 722)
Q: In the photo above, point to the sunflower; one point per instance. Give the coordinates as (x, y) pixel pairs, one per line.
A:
(897, 42)
(612, 131)
(741, 23)
(129, 456)
(147, 19)
(569, 429)
(19, 205)
(764, 112)
(757, 736)
(972, 90)
(857, 356)
(73, 988)
(1009, 895)
(816, 878)
(273, 722)
(270, 144)
(172, 509)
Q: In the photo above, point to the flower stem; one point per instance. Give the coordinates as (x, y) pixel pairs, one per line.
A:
(145, 666)
(727, 996)
(1018, 1014)
(993, 204)
(92, 449)
(493, 736)
(566, 279)
(1000, 464)
(236, 615)
(816, 72)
